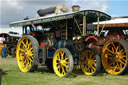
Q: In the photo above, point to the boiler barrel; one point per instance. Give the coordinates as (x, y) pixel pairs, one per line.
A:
(46, 11)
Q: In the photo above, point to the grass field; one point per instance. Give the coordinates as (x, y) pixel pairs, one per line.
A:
(11, 75)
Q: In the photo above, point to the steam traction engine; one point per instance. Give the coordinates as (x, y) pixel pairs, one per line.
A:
(59, 42)
(112, 44)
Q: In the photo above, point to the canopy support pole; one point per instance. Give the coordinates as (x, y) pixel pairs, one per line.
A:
(98, 26)
(78, 25)
(102, 28)
(23, 30)
(84, 26)
(66, 30)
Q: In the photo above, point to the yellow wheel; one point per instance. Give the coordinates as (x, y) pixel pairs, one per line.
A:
(27, 53)
(62, 62)
(90, 62)
(115, 56)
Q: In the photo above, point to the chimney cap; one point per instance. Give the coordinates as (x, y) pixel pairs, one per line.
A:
(75, 6)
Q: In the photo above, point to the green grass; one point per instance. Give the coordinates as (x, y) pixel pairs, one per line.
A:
(11, 75)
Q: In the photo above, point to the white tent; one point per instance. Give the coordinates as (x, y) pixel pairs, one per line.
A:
(16, 30)
(114, 21)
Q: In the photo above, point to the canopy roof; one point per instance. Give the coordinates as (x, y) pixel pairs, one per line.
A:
(90, 14)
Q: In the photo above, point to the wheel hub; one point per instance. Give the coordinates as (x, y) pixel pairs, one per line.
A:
(90, 62)
(117, 56)
(62, 62)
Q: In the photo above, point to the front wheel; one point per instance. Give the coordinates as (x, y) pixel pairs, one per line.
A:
(90, 62)
(27, 53)
(62, 62)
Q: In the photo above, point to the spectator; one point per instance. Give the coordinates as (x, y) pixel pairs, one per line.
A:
(4, 51)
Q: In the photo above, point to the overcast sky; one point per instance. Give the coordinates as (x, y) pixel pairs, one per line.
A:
(16, 10)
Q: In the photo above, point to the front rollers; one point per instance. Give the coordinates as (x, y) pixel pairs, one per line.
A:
(90, 62)
(62, 62)
(27, 53)
(115, 56)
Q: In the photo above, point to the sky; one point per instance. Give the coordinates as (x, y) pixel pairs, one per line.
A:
(16, 10)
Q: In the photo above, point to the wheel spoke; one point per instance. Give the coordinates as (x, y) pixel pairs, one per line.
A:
(89, 55)
(92, 56)
(109, 50)
(30, 49)
(88, 69)
(113, 50)
(122, 51)
(123, 59)
(30, 59)
(109, 54)
(62, 55)
(121, 65)
(58, 57)
(113, 45)
(63, 71)
(26, 42)
(123, 56)
(117, 49)
(121, 62)
(23, 44)
(115, 68)
(30, 54)
(118, 66)
(29, 45)
(66, 62)
(112, 64)
(66, 58)
(58, 68)
(21, 50)
(27, 64)
(66, 66)
(22, 65)
(93, 67)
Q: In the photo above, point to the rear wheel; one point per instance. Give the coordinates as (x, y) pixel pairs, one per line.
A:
(13, 52)
(62, 62)
(90, 62)
(115, 56)
(27, 53)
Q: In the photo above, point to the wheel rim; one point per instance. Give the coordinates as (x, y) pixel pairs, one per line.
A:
(61, 63)
(88, 62)
(24, 54)
(114, 57)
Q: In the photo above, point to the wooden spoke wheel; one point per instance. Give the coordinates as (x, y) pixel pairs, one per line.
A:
(115, 56)
(90, 62)
(27, 53)
(62, 62)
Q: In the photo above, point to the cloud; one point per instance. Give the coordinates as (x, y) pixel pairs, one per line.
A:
(9, 9)
(15, 10)
(114, 15)
(100, 5)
